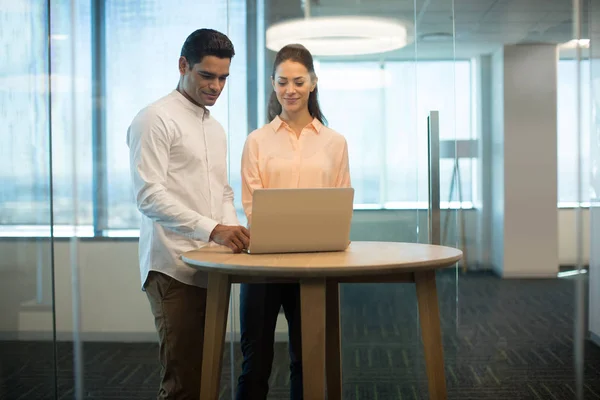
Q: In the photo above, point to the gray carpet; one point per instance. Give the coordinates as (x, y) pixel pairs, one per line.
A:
(505, 339)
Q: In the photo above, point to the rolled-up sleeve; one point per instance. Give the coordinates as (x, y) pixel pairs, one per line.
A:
(149, 141)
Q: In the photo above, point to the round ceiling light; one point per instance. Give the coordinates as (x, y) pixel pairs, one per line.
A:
(339, 36)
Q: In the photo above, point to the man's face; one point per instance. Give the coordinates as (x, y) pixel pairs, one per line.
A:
(203, 82)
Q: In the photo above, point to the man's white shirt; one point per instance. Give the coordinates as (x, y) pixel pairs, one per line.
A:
(178, 162)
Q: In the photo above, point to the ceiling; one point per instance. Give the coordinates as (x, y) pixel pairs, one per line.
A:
(470, 27)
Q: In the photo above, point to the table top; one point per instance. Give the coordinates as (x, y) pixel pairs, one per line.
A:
(359, 259)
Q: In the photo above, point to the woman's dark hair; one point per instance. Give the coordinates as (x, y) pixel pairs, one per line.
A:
(206, 42)
(299, 54)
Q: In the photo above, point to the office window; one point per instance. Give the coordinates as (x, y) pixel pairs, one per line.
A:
(24, 171)
(383, 113)
(24, 109)
(382, 110)
(568, 154)
(143, 44)
(72, 114)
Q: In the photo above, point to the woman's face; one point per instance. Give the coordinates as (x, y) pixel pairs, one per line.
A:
(293, 84)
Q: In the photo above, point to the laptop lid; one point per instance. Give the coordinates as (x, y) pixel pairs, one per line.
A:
(300, 220)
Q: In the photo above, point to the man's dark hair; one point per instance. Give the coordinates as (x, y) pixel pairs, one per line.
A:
(206, 42)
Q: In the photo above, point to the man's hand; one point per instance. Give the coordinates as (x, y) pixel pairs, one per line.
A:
(237, 238)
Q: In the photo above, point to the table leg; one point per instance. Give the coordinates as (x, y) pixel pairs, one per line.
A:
(217, 306)
(312, 308)
(431, 332)
(333, 363)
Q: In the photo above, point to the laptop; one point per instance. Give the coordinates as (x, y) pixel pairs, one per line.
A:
(300, 220)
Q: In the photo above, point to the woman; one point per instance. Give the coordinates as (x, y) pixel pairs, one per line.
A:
(294, 150)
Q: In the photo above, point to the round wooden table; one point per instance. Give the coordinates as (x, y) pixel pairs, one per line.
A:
(319, 275)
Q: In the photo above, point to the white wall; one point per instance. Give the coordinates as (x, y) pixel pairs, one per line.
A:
(114, 308)
(524, 162)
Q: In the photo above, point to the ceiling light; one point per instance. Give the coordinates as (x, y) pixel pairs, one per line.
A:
(59, 36)
(339, 36)
(573, 44)
(436, 37)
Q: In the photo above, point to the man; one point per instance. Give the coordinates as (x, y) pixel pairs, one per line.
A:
(179, 171)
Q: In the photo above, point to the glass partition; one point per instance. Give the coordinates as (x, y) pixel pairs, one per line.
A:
(521, 313)
(28, 318)
(74, 322)
(379, 99)
(594, 277)
(443, 96)
(468, 124)
(588, 295)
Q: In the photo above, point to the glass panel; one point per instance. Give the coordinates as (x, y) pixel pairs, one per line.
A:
(568, 154)
(151, 33)
(71, 81)
(516, 330)
(443, 86)
(27, 319)
(106, 318)
(505, 335)
(380, 103)
(587, 342)
(71, 106)
(593, 348)
(366, 146)
(25, 171)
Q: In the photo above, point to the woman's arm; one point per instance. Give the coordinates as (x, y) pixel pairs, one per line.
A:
(250, 175)
(343, 177)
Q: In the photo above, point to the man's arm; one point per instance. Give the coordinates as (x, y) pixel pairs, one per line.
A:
(149, 148)
(149, 143)
(229, 213)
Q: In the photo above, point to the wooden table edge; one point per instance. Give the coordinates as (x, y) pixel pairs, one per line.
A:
(323, 272)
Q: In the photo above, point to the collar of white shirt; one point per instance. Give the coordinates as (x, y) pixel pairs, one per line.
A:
(202, 112)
